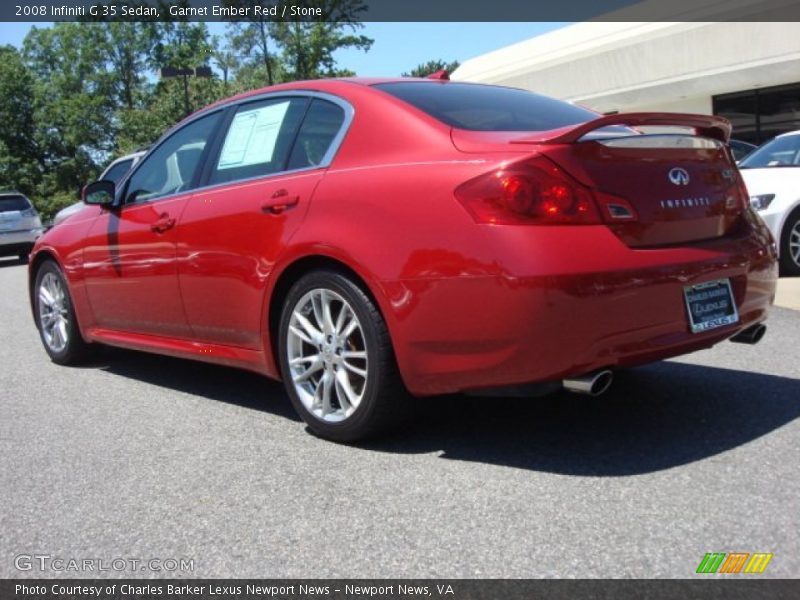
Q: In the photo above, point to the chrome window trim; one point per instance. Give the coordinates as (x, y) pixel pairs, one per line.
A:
(349, 115)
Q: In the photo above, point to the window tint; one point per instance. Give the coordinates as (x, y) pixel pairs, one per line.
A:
(117, 171)
(487, 108)
(780, 152)
(323, 121)
(14, 203)
(172, 167)
(258, 139)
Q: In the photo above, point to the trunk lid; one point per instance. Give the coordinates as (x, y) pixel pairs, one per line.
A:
(678, 184)
(656, 190)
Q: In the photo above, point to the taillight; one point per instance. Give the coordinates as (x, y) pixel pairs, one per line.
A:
(740, 200)
(535, 192)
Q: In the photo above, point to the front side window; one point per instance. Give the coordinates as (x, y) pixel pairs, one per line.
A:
(173, 166)
(321, 125)
(258, 139)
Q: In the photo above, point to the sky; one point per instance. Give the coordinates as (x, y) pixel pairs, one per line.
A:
(398, 47)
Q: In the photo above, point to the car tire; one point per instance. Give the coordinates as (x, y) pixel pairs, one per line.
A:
(55, 316)
(340, 395)
(790, 245)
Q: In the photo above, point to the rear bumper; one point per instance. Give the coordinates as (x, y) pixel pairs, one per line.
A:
(18, 242)
(463, 333)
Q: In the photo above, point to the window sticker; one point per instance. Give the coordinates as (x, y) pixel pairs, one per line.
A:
(252, 136)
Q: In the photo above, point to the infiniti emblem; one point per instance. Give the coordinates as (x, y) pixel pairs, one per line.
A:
(679, 176)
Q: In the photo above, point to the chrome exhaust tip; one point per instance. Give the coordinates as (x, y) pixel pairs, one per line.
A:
(751, 335)
(592, 384)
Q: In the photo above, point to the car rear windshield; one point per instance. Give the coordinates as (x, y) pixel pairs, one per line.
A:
(487, 108)
(13, 203)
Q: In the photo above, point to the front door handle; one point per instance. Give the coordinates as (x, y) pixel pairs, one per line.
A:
(279, 202)
(163, 223)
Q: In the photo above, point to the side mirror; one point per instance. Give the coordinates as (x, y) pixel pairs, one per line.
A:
(99, 192)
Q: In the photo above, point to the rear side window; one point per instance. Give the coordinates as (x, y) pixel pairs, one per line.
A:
(117, 171)
(258, 139)
(487, 108)
(320, 127)
(14, 203)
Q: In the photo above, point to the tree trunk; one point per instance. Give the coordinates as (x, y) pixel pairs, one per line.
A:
(265, 51)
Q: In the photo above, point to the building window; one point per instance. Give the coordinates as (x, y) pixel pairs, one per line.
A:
(761, 114)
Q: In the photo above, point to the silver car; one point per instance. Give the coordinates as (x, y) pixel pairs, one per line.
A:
(20, 225)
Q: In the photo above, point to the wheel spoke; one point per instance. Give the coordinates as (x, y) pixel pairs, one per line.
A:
(316, 365)
(62, 330)
(326, 385)
(344, 383)
(356, 370)
(342, 397)
(46, 297)
(316, 306)
(58, 338)
(349, 328)
(312, 335)
(354, 354)
(340, 319)
(327, 319)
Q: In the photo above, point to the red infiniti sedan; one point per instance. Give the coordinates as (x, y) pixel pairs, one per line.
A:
(366, 239)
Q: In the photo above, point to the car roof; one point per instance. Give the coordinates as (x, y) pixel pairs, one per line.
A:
(12, 193)
(331, 85)
(789, 133)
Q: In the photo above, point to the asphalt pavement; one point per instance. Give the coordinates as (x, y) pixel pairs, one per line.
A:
(146, 457)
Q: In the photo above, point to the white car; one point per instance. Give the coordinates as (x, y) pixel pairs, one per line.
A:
(772, 175)
(114, 172)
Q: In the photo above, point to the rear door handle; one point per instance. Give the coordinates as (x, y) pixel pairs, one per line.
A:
(163, 223)
(279, 202)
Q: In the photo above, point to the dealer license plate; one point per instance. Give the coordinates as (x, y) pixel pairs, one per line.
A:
(710, 305)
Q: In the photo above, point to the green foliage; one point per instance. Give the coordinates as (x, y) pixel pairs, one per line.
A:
(431, 67)
(19, 166)
(79, 94)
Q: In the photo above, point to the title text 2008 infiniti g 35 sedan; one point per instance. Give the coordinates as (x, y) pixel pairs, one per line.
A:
(363, 238)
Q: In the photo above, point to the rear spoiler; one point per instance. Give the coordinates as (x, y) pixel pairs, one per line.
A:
(717, 128)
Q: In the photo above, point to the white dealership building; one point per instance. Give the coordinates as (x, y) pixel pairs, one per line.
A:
(748, 72)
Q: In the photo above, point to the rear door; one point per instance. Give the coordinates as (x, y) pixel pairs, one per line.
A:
(258, 184)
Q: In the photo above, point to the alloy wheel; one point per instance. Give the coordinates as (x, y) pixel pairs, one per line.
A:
(327, 355)
(53, 312)
(794, 243)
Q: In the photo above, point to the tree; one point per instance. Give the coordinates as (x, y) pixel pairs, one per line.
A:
(184, 46)
(307, 47)
(129, 46)
(225, 57)
(425, 69)
(19, 165)
(74, 105)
